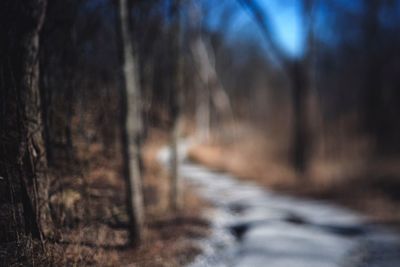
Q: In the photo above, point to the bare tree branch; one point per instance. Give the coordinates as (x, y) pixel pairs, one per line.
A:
(265, 26)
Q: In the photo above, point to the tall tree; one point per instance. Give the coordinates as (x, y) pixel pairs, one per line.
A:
(211, 91)
(23, 157)
(298, 73)
(372, 109)
(176, 102)
(131, 123)
(59, 61)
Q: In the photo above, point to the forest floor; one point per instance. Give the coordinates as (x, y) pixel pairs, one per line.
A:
(363, 183)
(92, 226)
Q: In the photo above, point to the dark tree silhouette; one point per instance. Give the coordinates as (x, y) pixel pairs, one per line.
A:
(176, 99)
(23, 157)
(298, 73)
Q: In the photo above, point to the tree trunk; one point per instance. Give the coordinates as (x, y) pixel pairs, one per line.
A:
(45, 99)
(301, 139)
(372, 108)
(203, 113)
(23, 156)
(211, 91)
(305, 112)
(69, 99)
(298, 73)
(131, 125)
(176, 105)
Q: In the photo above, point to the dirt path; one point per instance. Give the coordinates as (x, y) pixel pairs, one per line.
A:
(253, 227)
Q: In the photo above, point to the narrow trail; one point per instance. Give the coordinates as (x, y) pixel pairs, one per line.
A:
(254, 227)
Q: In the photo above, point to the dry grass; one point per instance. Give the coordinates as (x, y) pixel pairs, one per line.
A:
(251, 156)
(89, 202)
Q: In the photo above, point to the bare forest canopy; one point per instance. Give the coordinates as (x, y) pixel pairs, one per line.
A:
(353, 46)
(346, 39)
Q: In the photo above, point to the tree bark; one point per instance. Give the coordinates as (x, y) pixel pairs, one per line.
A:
(176, 105)
(372, 104)
(304, 97)
(45, 99)
(301, 137)
(211, 91)
(23, 155)
(131, 125)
